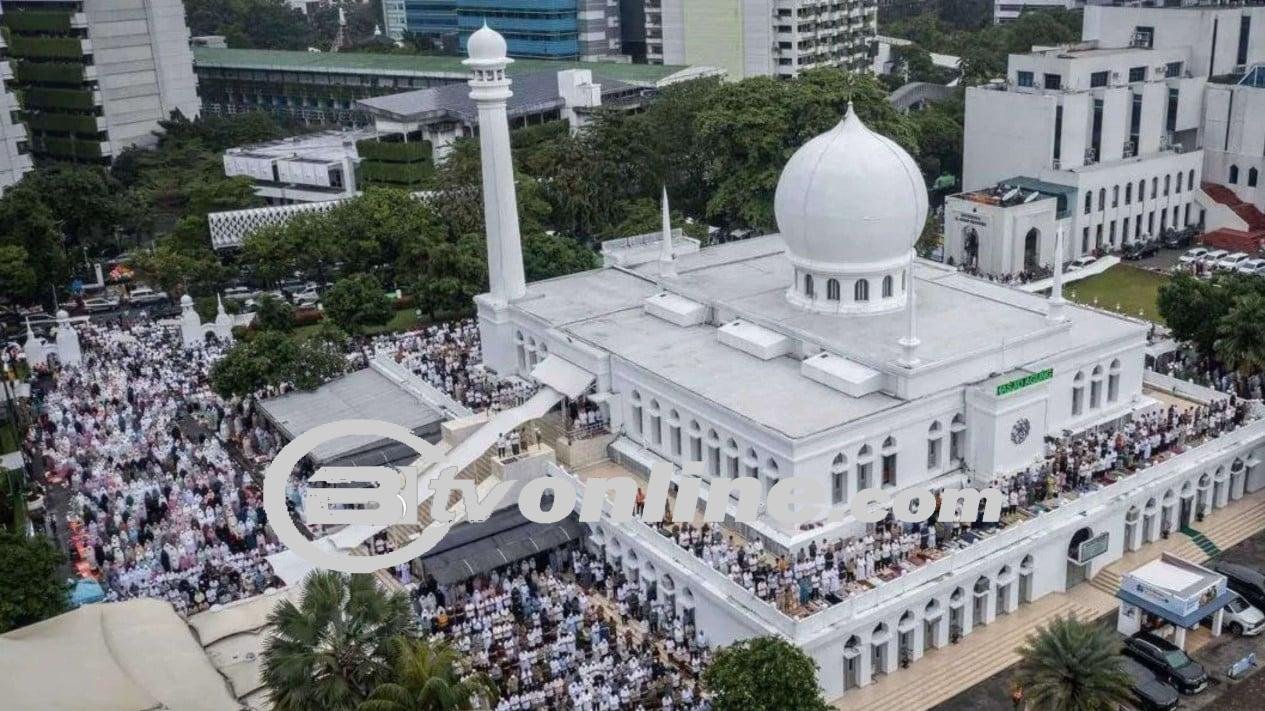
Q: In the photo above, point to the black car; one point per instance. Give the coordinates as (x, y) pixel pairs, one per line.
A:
(1140, 249)
(1179, 239)
(1149, 693)
(1247, 582)
(1168, 662)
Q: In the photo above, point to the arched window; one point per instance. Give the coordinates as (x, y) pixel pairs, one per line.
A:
(1252, 176)
(839, 479)
(861, 292)
(865, 465)
(731, 459)
(656, 423)
(1089, 202)
(1141, 190)
(1179, 183)
(696, 441)
(935, 435)
(1128, 194)
(1095, 388)
(752, 464)
(808, 285)
(1115, 196)
(713, 453)
(674, 434)
(1234, 175)
(1078, 394)
(832, 289)
(1190, 179)
(957, 438)
(1168, 181)
(771, 474)
(638, 426)
(1155, 187)
(1113, 381)
(887, 286)
(889, 461)
(1102, 199)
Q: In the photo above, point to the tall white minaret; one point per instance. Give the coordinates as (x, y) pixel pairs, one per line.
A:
(1055, 312)
(909, 344)
(490, 89)
(667, 258)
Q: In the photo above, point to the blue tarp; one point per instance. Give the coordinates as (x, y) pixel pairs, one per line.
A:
(86, 592)
(1189, 621)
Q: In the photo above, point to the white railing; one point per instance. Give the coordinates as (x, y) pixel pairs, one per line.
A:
(418, 387)
(1182, 388)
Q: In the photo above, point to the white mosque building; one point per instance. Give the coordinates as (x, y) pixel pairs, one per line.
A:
(830, 351)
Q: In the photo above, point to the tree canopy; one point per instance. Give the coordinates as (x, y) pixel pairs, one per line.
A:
(1072, 665)
(270, 358)
(763, 674)
(1219, 316)
(31, 588)
(356, 302)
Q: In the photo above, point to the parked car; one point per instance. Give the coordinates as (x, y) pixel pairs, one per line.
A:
(146, 295)
(306, 298)
(1247, 582)
(97, 304)
(1080, 263)
(239, 293)
(1149, 693)
(1254, 266)
(1241, 618)
(1168, 662)
(1193, 255)
(1216, 255)
(1232, 261)
(1140, 249)
(1179, 239)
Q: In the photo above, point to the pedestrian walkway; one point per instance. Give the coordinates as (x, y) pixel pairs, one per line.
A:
(944, 673)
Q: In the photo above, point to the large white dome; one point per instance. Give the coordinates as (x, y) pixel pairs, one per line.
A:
(850, 200)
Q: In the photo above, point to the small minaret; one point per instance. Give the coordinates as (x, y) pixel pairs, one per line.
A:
(1055, 312)
(490, 90)
(223, 322)
(34, 349)
(909, 344)
(190, 323)
(667, 258)
(68, 351)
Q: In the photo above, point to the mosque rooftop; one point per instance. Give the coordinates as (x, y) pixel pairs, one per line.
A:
(976, 328)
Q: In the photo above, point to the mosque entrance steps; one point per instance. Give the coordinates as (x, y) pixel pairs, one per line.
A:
(1204, 543)
(943, 673)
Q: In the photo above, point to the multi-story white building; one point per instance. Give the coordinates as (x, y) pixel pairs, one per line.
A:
(97, 76)
(1116, 127)
(760, 37)
(15, 161)
(1122, 120)
(1009, 10)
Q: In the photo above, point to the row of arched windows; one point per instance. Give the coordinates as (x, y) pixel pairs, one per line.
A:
(1253, 176)
(1098, 378)
(529, 351)
(1172, 184)
(860, 288)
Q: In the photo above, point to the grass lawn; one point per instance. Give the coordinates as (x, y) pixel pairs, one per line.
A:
(1123, 289)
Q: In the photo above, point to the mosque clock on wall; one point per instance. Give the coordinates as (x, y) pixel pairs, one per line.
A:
(1019, 433)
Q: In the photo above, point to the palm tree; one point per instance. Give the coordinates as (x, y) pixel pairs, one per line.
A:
(330, 650)
(427, 678)
(1240, 339)
(1070, 665)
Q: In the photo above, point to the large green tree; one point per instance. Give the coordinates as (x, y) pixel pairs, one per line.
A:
(335, 646)
(426, 676)
(31, 588)
(357, 302)
(1071, 665)
(1240, 341)
(17, 277)
(270, 358)
(763, 674)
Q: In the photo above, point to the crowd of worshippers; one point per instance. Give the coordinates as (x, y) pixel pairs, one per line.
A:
(157, 505)
(1207, 371)
(567, 630)
(449, 357)
(1017, 279)
(826, 572)
(586, 418)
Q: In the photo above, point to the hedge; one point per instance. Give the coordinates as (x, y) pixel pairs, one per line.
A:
(52, 72)
(394, 151)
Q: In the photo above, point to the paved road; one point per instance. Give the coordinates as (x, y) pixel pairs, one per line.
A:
(993, 694)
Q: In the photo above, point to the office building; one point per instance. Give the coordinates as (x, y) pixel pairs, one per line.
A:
(15, 160)
(587, 30)
(96, 76)
(760, 37)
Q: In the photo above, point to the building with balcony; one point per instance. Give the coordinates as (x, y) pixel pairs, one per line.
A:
(15, 160)
(1119, 122)
(325, 88)
(760, 37)
(96, 76)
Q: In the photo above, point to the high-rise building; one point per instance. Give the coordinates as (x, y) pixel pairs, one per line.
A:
(553, 29)
(96, 76)
(14, 159)
(760, 37)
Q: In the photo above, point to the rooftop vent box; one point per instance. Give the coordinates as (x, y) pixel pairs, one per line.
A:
(676, 309)
(846, 376)
(753, 340)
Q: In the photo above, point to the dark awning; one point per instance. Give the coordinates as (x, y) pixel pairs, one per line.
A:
(500, 548)
(1188, 621)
